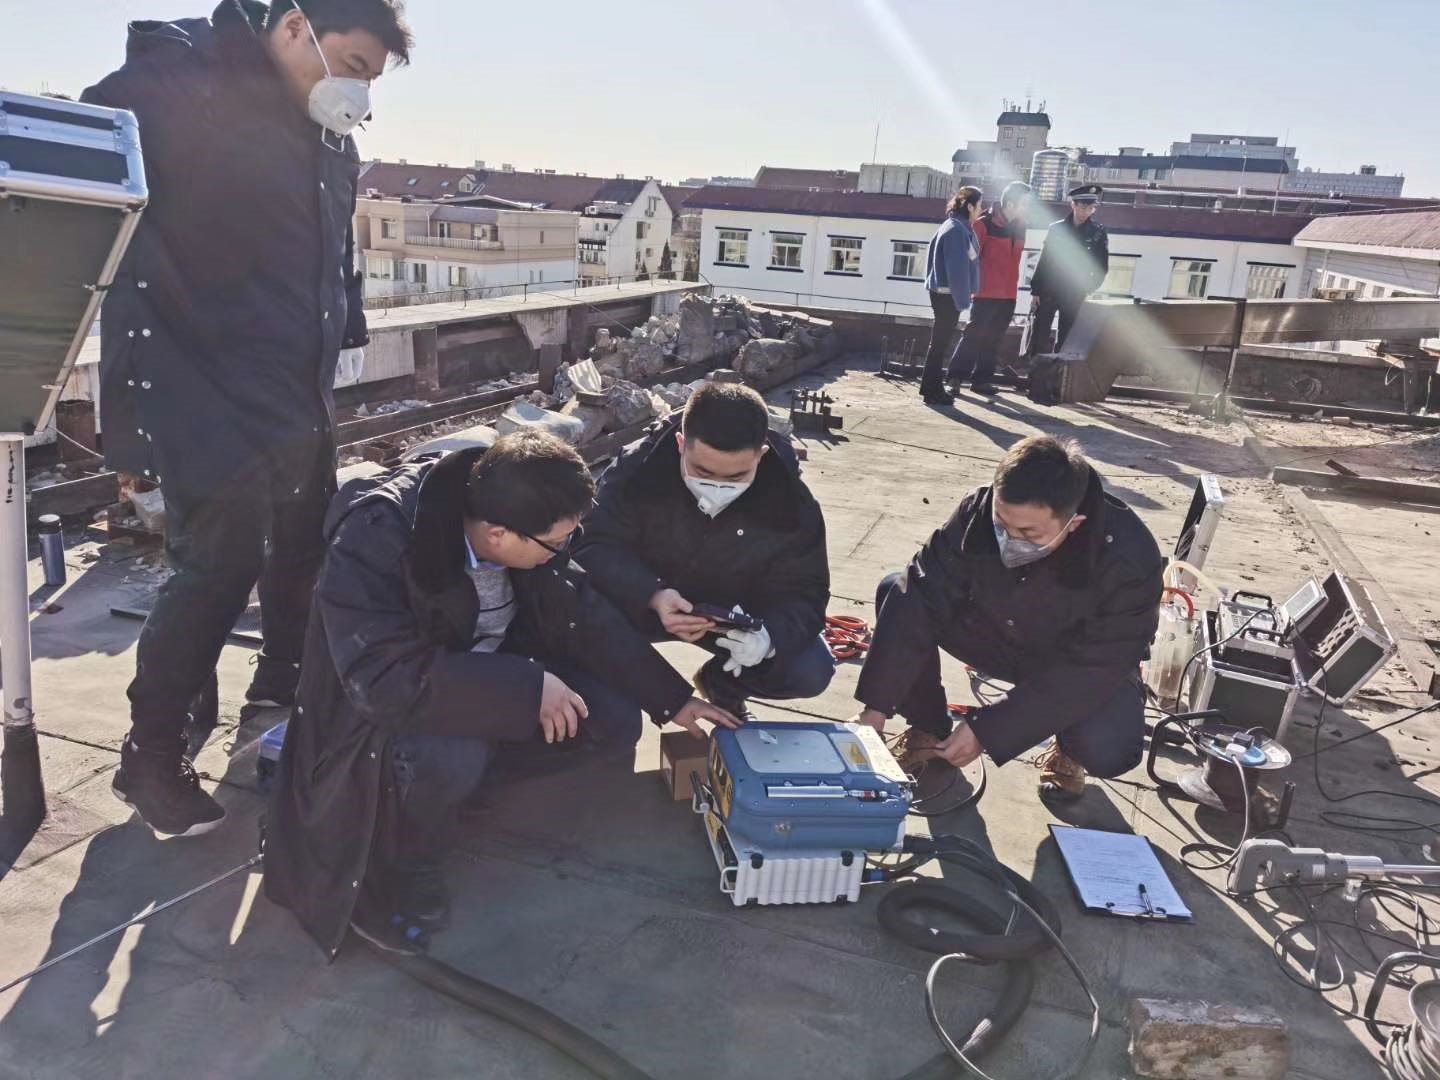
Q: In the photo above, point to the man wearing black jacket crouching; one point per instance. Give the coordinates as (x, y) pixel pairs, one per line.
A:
(1042, 580)
(710, 509)
(450, 633)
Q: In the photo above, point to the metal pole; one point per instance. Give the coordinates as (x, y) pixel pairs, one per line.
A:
(21, 789)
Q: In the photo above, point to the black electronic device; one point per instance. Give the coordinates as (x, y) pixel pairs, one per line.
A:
(725, 618)
(1251, 688)
(72, 186)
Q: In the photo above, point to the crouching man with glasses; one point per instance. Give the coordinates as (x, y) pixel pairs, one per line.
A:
(451, 635)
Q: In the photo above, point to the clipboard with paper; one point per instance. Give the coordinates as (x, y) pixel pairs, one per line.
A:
(1119, 874)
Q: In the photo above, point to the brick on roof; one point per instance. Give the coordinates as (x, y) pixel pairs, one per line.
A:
(1143, 220)
(1417, 228)
(774, 178)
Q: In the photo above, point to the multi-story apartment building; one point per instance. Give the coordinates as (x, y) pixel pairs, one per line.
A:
(414, 248)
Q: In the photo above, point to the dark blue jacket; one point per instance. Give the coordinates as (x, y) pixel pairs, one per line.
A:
(953, 261)
(220, 335)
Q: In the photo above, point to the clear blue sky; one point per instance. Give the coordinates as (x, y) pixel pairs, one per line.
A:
(679, 88)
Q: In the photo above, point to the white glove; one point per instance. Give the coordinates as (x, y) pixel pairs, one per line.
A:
(349, 367)
(746, 648)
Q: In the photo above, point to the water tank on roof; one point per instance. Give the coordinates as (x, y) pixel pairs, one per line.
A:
(1047, 174)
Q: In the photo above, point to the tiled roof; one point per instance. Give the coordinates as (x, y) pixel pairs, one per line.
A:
(1418, 229)
(553, 191)
(773, 178)
(1152, 221)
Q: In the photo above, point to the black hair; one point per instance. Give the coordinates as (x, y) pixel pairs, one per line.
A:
(1043, 471)
(383, 18)
(528, 481)
(968, 195)
(727, 417)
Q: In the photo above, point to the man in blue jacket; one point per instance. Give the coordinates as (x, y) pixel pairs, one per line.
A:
(221, 336)
(952, 276)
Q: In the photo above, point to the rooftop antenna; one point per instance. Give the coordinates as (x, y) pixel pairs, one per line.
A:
(875, 150)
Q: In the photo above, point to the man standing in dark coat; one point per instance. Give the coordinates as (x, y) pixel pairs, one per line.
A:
(450, 629)
(221, 336)
(1073, 264)
(710, 509)
(1042, 580)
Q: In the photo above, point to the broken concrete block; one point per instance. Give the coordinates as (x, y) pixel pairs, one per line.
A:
(628, 405)
(1194, 1040)
(593, 419)
(637, 361)
(761, 357)
(523, 416)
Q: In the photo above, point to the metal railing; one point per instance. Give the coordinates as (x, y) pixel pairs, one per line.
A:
(457, 242)
(379, 305)
(846, 303)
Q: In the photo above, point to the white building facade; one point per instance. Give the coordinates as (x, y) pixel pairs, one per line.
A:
(864, 261)
(624, 237)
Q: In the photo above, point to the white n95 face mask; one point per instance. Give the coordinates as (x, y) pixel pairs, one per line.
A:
(1016, 552)
(713, 496)
(337, 104)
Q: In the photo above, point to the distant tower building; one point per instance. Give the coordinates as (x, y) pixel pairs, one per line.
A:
(1049, 171)
(1020, 133)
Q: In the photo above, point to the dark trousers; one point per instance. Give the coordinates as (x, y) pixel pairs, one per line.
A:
(435, 774)
(1108, 742)
(805, 675)
(218, 549)
(942, 332)
(980, 347)
(1045, 309)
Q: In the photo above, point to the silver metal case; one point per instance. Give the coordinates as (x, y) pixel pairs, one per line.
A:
(1252, 690)
(72, 187)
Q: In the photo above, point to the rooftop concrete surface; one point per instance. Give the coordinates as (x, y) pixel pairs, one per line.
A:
(596, 896)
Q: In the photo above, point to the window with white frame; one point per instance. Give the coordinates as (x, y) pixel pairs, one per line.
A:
(785, 248)
(1377, 291)
(1190, 278)
(419, 273)
(458, 277)
(1120, 281)
(845, 254)
(905, 259)
(376, 267)
(389, 228)
(443, 230)
(734, 247)
(1266, 281)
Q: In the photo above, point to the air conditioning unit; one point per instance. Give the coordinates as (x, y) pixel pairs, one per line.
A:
(590, 210)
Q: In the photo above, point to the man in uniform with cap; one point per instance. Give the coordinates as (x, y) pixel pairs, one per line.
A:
(1073, 263)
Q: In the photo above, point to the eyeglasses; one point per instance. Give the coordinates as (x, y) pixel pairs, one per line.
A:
(563, 548)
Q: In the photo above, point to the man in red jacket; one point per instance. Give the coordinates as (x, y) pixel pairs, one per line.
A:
(1001, 233)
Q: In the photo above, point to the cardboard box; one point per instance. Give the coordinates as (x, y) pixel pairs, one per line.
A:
(680, 754)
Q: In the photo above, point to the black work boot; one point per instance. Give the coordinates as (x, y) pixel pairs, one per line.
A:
(422, 896)
(162, 787)
(710, 688)
(274, 684)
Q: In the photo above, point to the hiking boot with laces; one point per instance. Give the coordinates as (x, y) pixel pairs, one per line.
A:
(1061, 778)
(163, 788)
